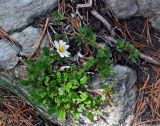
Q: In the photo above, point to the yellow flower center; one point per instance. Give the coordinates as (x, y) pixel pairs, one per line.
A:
(62, 48)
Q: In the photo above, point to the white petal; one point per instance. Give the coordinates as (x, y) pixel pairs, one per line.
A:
(66, 54)
(56, 44)
(64, 43)
(61, 54)
(61, 42)
(58, 51)
(66, 46)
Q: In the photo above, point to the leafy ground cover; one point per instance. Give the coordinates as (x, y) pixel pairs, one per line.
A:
(67, 92)
(60, 78)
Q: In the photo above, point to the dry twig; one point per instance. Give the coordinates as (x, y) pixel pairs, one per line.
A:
(88, 4)
(104, 21)
(38, 43)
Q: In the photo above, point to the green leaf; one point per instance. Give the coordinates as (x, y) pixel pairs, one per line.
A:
(75, 87)
(83, 96)
(46, 51)
(134, 54)
(47, 79)
(86, 36)
(75, 114)
(57, 18)
(88, 102)
(68, 87)
(41, 92)
(120, 45)
(52, 95)
(62, 115)
(60, 91)
(101, 53)
(59, 37)
(44, 101)
(80, 110)
(57, 100)
(25, 82)
(67, 106)
(90, 116)
(84, 80)
(58, 75)
(66, 75)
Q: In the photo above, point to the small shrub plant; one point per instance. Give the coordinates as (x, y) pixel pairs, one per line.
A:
(67, 92)
(122, 46)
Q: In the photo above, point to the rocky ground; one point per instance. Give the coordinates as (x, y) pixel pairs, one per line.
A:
(136, 21)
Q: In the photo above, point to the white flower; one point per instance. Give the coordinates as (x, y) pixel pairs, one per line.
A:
(62, 48)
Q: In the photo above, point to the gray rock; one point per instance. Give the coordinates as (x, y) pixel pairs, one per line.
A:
(16, 14)
(129, 8)
(155, 21)
(149, 8)
(125, 97)
(8, 55)
(123, 8)
(27, 39)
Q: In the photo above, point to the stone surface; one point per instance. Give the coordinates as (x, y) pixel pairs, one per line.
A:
(27, 39)
(129, 8)
(8, 55)
(16, 14)
(149, 8)
(155, 21)
(125, 97)
(123, 8)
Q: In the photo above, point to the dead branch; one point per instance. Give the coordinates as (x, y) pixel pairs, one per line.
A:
(38, 43)
(50, 39)
(149, 59)
(88, 4)
(104, 21)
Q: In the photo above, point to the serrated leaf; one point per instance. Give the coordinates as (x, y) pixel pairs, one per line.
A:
(90, 116)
